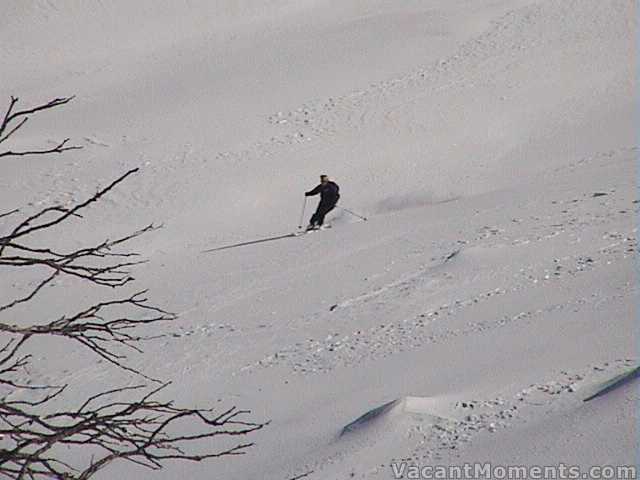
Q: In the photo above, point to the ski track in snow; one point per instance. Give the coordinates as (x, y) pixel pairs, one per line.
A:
(317, 355)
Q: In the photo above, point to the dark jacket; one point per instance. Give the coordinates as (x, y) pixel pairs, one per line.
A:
(329, 193)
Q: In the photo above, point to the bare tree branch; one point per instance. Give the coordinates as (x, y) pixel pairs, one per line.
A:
(26, 227)
(302, 475)
(57, 149)
(141, 431)
(6, 214)
(32, 294)
(15, 120)
(11, 116)
(117, 423)
(92, 329)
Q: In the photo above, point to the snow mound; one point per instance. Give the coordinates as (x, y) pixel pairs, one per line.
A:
(435, 409)
(614, 383)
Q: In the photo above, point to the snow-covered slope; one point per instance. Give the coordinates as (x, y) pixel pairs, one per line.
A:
(491, 144)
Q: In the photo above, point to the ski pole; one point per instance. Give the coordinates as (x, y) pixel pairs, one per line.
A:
(304, 207)
(352, 213)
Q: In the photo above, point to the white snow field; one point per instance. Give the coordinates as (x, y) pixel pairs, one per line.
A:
(492, 144)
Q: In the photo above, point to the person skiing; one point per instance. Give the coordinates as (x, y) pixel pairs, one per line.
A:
(329, 195)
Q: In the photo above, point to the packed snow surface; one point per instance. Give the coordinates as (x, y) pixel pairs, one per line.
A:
(492, 145)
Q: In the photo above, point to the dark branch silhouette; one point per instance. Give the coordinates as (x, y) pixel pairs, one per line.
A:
(6, 214)
(134, 424)
(145, 431)
(14, 120)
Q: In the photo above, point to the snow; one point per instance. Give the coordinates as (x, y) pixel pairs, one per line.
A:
(501, 131)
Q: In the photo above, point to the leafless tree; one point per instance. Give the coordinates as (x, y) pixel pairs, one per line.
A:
(127, 423)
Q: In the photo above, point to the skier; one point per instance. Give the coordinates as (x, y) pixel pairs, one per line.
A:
(329, 196)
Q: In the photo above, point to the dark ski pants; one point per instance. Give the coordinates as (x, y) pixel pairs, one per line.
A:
(322, 210)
